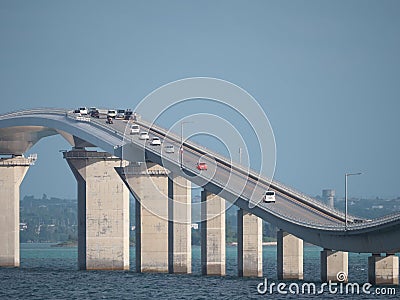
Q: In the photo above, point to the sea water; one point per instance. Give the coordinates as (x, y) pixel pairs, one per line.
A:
(51, 273)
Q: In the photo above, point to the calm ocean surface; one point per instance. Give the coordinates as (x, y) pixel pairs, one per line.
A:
(51, 273)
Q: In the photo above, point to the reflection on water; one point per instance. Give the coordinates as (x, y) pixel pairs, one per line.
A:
(51, 273)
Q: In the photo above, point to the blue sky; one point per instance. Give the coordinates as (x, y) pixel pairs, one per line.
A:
(327, 74)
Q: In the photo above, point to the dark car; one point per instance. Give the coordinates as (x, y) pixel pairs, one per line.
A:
(128, 114)
(95, 114)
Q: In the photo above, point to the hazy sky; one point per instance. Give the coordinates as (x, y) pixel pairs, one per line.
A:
(327, 74)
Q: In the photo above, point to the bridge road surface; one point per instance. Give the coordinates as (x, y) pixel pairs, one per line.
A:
(293, 211)
(218, 172)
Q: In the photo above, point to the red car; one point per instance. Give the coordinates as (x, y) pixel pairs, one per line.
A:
(202, 166)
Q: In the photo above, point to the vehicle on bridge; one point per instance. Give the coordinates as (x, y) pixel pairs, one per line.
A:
(91, 109)
(120, 114)
(156, 141)
(112, 113)
(83, 110)
(169, 149)
(202, 166)
(135, 129)
(109, 120)
(95, 114)
(144, 136)
(269, 197)
(294, 212)
(128, 114)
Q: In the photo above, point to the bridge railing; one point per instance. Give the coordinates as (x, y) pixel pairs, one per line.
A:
(248, 172)
(45, 110)
(294, 219)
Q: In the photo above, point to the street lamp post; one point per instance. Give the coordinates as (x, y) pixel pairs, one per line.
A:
(345, 195)
(181, 149)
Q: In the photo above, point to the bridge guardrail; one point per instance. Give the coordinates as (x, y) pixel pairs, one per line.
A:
(294, 219)
(248, 171)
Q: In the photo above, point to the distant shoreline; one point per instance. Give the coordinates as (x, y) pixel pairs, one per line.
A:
(66, 244)
(264, 244)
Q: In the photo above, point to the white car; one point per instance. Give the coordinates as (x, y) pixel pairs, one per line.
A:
(120, 114)
(144, 136)
(269, 197)
(112, 113)
(156, 141)
(169, 149)
(83, 110)
(135, 129)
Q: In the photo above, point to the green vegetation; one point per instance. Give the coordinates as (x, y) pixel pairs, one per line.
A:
(55, 220)
(48, 219)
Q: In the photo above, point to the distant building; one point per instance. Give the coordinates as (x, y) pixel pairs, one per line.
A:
(328, 196)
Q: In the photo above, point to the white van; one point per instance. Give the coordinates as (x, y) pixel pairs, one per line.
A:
(269, 197)
(83, 110)
(135, 129)
(112, 113)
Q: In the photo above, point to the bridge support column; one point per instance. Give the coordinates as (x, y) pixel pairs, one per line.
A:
(212, 234)
(383, 270)
(12, 172)
(249, 236)
(332, 263)
(180, 232)
(103, 211)
(149, 185)
(290, 256)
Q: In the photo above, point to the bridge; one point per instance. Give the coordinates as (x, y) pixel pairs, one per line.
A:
(160, 183)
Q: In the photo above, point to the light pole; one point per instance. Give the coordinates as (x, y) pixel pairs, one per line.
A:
(345, 195)
(181, 149)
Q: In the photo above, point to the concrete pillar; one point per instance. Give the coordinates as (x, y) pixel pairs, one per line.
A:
(212, 234)
(334, 266)
(103, 211)
(290, 256)
(249, 236)
(149, 185)
(180, 241)
(383, 270)
(12, 172)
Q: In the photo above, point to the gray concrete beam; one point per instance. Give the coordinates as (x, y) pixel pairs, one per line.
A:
(180, 241)
(103, 211)
(12, 172)
(290, 256)
(334, 266)
(149, 185)
(213, 248)
(249, 244)
(383, 270)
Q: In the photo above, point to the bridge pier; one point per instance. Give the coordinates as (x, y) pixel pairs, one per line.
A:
(12, 172)
(149, 184)
(290, 256)
(163, 218)
(180, 231)
(332, 263)
(103, 211)
(383, 270)
(213, 249)
(249, 236)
